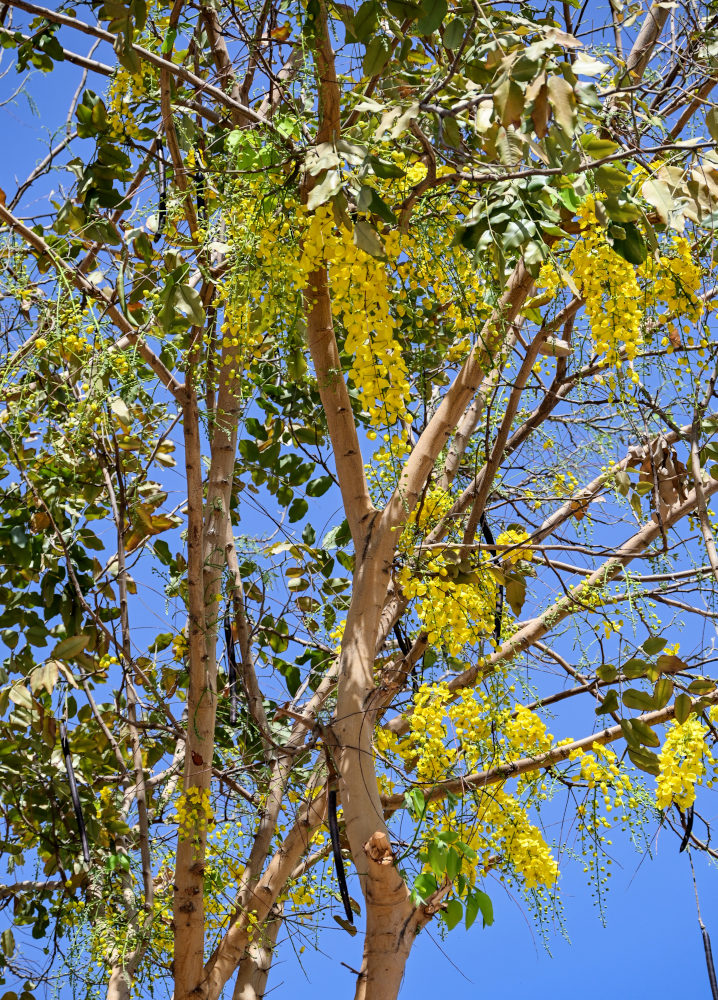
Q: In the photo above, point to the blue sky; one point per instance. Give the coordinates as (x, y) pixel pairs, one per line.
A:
(651, 945)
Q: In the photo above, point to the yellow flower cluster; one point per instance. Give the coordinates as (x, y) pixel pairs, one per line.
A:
(520, 842)
(241, 337)
(549, 280)
(73, 343)
(599, 768)
(500, 825)
(611, 788)
(526, 731)
(425, 516)
(681, 763)
(564, 484)
(514, 536)
(424, 745)
(362, 296)
(453, 614)
(501, 834)
(674, 279)
(465, 728)
(470, 719)
(126, 89)
(194, 812)
(610, 287)
(587, 597)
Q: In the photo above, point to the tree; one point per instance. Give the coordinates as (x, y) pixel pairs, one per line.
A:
(346, 341)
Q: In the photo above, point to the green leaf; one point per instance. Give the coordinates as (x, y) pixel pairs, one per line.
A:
(630, 244)
(370, 200)
(425, 885)
(683, 707)
(365, 20)
(168, 41)
(434, 12)
(377, 55)
(629, 733)
(644, 760)
(518, 232)
(633, 698)
(189, 303)
(403, 9)
(635, 668)
(611, 178)
(452, 132)
(453, 863)
(454, 33)
(297, 510)
(453, 913)
(620, 210)
(70, 647)
(644, 733)
(486, 907)
(291, 674)
(609, 703)
(702, 685)
(368, 240)
(472, 909)
(384, 170)
(712, 123)
(437, 858)
(662, 692)
(654, 644)
(596, 147)
(163, 640)
(415, 802)
(607, 672)
(7, 942)
(318, 487)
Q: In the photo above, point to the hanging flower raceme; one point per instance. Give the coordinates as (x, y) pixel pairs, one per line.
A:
(681, 763)
(610, 287)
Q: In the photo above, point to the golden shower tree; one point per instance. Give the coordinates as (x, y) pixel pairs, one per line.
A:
(358, 386)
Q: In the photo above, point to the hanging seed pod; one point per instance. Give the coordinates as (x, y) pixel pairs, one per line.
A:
(162, 177)
(499, 612)
(709, 963)
(337, 852)
(231, 671)
(687, 823)
(64, 743)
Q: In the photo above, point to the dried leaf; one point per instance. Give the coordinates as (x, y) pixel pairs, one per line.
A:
(563, 102)
(325, 190)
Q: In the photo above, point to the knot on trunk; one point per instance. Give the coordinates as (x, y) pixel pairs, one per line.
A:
(378, 849)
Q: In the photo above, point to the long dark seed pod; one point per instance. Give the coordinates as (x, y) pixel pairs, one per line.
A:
(231, 670)
(499, 612)
(337, 852)
(687, 823)
(64, 743)
(162, 210)
(401, 639)
(709, 963)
